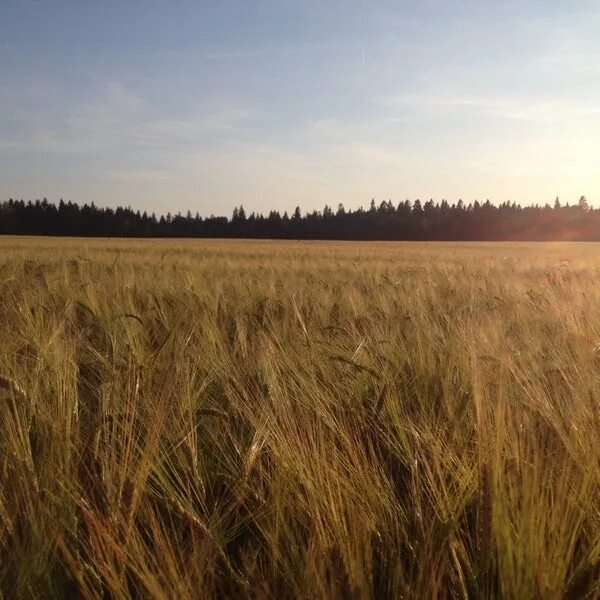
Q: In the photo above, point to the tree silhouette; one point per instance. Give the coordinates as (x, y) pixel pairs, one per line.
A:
(406, 221)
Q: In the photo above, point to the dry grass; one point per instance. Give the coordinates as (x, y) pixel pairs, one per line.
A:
(252, 419)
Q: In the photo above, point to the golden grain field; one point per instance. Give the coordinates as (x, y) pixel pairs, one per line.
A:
(236, 419)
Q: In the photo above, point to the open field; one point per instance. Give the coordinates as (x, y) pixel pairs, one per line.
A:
(197, 419)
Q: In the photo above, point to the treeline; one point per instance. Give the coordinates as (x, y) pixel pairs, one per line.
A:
(384, 221)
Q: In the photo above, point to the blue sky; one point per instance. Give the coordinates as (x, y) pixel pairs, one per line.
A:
(170, 106)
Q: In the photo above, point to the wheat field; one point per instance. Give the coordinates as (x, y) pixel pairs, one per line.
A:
(237, 419)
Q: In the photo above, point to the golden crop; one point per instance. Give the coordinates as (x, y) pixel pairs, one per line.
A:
(197, 419)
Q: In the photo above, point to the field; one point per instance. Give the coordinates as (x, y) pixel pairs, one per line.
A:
(198, 419)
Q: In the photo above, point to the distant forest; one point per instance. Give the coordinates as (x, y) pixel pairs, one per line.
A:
(384, 221)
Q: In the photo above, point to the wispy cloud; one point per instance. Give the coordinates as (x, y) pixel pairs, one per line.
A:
(118, 117)
(140, 176)
(501, 107)
(570, 62)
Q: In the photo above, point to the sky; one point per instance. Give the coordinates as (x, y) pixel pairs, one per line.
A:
(174, 106)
